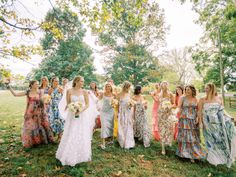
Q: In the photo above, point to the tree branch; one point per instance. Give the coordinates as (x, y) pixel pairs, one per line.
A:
(18, 27)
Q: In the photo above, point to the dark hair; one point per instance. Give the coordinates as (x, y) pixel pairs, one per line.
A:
(194, 92)
(95, 85)
(44, 77)
(137, 89)
(31, 83)
(181, 88)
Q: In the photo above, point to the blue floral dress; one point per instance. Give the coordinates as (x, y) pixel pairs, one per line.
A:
(220, 135)
(188, 132)
(56, 121)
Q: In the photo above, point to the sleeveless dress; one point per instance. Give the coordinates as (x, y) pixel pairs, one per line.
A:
(107, 117)
(220, 135)
(55, 119)
(125, 124)
(189, 135)
(166, 122)
(141, 130)
(36, 128)
(155, 131)
(75, 145)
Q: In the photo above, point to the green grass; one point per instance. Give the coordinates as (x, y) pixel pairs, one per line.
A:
(40, 161)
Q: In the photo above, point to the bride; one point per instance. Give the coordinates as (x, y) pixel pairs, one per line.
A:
(75, 145)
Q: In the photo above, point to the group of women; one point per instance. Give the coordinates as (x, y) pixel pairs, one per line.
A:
(123, 115)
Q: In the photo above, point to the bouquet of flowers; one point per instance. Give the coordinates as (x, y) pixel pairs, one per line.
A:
(46, 98)
(75, 107)
(166, 105)
(114, 102)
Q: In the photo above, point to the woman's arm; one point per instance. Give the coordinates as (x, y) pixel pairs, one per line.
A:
(199, 112)
(16, 94)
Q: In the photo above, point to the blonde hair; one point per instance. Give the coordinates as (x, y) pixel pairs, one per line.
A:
(212, 91)
(76, 79)
(108, 83)
(168, 91)
(125, 87)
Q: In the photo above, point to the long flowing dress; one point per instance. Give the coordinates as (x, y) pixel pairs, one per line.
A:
(178, 117)
(166, 122)
(125, 124)
(55, 119)
(141, 130)
(189, 137)
(75, 145)
(107, 117)
(155, 131)
(36, 128)
(220, 135)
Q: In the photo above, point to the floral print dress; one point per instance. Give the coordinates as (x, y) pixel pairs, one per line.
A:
(220, 135)
(188, 134)
(55, 119)
(166, 121)
(36, 129)
(141, 130)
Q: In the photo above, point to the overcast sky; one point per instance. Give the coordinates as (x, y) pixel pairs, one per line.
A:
(183, 31)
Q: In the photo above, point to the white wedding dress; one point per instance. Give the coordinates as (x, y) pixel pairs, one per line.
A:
(75, 145)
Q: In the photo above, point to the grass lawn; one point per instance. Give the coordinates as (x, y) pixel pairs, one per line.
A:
(114, 161)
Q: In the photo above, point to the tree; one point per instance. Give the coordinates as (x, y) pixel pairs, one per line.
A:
(134, 64)
(66, 56)
(219, 20)
(130, 30)
(11, 23)
(180, 61)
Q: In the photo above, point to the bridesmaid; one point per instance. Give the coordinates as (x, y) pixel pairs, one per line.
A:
(95, 92)
(141, 131)
(36, 129)
(107, 115)
(116, 107)
(166, 118)
(179, 91)
(155, 111)
(44, 85)
(218, 129)
(188, 137)
(64, 82)
(55, 119)
(125, 118)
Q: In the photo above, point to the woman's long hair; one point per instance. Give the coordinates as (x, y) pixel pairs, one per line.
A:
(46, 78)
(75, 80)
(212, 92)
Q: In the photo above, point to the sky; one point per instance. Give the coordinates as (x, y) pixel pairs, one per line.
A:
(180, 18)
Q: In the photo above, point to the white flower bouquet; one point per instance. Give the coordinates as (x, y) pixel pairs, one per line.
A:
(166, 105)
(46, 98)
(76, 108)
(114, 102)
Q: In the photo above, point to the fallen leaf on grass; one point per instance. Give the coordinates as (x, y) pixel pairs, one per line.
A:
(209, 175)
(2, 141)
(19, 168)
(118, 174)
(141, 156)
(28, 163)
(23, 175)
(7, 158)
(57, 168)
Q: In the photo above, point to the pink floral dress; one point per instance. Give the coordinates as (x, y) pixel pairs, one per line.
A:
(36, 129)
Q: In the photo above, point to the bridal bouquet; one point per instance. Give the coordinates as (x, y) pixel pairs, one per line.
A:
(114, 102)
(75, 107)
(46, 98)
